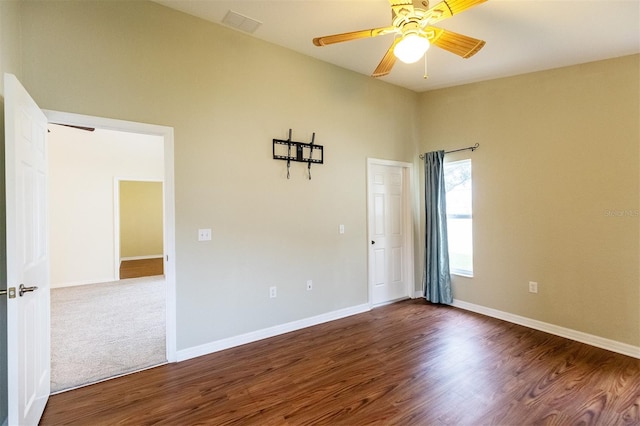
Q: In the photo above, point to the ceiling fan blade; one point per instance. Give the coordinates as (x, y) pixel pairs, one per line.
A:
(458, 44)
(448, 8)
(387, 62)
(88, 129)
(354, 35)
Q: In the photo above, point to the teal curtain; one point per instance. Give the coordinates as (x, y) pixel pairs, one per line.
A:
(436, 276)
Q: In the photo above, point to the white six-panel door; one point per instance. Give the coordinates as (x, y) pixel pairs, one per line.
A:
(388, 271)
(27, 255)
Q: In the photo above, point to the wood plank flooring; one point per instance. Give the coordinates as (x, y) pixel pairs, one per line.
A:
(410, 363)
(141, 268)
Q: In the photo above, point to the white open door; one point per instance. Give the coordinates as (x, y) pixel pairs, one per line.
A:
(27, 256)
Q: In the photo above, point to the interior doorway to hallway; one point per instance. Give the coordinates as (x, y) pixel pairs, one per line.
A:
(138, 230)
(93, 269)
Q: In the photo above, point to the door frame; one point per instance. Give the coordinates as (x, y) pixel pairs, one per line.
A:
(116, 219)
(408, 217)
(169, 201)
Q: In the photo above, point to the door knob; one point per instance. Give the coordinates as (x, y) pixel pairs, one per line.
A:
(22, 289)
(373, 242)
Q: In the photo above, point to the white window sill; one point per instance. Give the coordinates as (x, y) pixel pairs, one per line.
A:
(462, 274)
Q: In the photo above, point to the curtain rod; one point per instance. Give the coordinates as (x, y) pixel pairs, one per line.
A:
(472, 148)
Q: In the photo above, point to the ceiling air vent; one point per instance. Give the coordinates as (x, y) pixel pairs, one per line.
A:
(241, 22)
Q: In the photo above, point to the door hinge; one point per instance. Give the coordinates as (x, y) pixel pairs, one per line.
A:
(11, 291)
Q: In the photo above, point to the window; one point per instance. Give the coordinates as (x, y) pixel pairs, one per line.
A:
(457, 179)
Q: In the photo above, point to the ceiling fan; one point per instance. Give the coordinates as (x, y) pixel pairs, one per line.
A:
(412, 20)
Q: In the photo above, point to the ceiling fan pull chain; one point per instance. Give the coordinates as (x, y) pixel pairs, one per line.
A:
(426, 76)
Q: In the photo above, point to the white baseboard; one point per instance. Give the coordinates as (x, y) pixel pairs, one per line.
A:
(230, 342)
(276, 330)
(151, 256)
(589, 339)
(94, 281)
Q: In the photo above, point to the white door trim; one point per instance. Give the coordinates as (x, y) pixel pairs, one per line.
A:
(408, 207)
(169, 201)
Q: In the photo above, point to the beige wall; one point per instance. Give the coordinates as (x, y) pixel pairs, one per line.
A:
(558, 150)
(227, 95)
(10, 46)
(141, 225)
(556, 187)
(83, 169)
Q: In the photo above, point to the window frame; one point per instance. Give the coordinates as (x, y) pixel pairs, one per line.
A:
(458, 271)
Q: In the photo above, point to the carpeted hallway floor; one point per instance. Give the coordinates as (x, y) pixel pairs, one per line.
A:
(104, 330)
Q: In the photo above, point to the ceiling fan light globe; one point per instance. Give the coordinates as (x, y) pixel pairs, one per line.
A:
(411, 48)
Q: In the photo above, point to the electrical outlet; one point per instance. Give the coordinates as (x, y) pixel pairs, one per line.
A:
(309, 285)
(341, 229)
(533, 287)
(204, 234)
(273, 292)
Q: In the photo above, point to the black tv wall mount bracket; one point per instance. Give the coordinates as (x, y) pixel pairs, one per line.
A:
(301, 152)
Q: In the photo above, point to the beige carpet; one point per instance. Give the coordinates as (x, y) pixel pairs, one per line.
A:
(105, 330)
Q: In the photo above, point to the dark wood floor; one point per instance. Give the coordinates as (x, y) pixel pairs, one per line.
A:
(141, 268)
(410, 363)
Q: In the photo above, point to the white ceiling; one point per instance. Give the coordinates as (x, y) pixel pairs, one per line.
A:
(522, 35)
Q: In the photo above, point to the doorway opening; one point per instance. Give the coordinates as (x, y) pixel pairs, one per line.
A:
(138, 229)
(155, 143)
